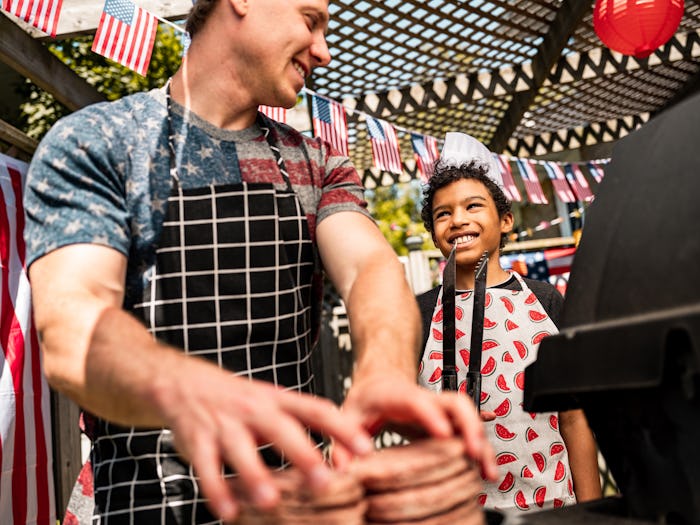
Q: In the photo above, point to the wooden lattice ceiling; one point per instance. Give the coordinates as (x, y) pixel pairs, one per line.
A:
(527, 77)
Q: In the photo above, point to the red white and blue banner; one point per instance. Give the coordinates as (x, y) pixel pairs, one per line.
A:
(126, 34)
(559, 183)
(425, 150)
(385, 145)
(26, 475)
(509, 187)
(42, 14)
(330, 122)
(532, 183)
(275, 113)
(578, 182)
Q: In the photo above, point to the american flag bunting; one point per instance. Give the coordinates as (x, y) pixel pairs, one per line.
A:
(26, 477)
(578, 182)
(425, 149)
(385, 145)
(509, 187)
(532, 183)
(42, 14)
(330, 122)
(275, 113)
(559, 183)
(596, 171)
(126, 34)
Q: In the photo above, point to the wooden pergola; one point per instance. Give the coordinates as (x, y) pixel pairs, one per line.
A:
(529, 78)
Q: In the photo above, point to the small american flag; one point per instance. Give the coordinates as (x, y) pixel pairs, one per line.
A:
(561, 187)
(42, 14)
(275, 113)
(596, 171)
(578, 182)
(330, 122)
(126, 34)
(532, 182)
(426, 152)
(26, 477)
(385, 145)
(509, 187)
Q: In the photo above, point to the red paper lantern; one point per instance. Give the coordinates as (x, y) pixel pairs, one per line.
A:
(636, 27)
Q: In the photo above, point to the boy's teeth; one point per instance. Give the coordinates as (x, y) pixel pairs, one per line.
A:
(463, 239)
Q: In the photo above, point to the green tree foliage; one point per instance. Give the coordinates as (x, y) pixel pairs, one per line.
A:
(41, 110)
(397, 212)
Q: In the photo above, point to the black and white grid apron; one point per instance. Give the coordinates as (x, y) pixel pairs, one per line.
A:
(231, 284)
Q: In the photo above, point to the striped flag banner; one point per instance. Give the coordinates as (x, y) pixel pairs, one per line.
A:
(126, 34)
(26, 478)
(330, 122)
(42, 14)
(561, 187)
(532, 183)
(275, 113)
(425, 149)
(385, 145)
(578, 182)
(509, 187)
(596, 171)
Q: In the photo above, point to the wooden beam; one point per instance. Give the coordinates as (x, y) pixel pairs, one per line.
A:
(569, 16)
(11, 134)
(31, 59)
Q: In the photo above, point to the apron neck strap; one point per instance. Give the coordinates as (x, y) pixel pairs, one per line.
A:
(261, 124)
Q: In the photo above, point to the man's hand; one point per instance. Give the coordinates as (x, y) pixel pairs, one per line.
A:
(226, 418)
(395, 400)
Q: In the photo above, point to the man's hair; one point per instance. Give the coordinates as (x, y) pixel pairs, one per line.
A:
(445, 174)
(198, 15)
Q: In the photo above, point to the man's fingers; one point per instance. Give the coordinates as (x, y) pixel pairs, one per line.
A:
(239, 449)
(323, 416)
(207, 464)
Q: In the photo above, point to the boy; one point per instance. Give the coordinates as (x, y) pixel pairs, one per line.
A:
(545, 460)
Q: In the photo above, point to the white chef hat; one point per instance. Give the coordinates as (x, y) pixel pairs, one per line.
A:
(460, 148)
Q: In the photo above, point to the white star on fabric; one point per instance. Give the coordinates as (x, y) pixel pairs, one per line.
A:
(97, 209)
(100, 239)
(158, 204)
(191, 169)
(73, 227)
(43, 185)
(162, 151)
(59, 164)
(119, 232)
(51, 218)
(205, 152)
(67, 196)
(66, 132)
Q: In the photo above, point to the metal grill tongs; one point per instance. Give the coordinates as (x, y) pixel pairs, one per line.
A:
(477, 339)
(449, 367)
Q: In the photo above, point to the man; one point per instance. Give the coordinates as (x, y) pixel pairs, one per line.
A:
(186, 211)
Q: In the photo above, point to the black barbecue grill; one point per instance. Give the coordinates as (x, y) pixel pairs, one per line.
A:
(629, 349)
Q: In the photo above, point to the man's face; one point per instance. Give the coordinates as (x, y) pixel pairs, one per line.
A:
(289, 41)
(464, 213)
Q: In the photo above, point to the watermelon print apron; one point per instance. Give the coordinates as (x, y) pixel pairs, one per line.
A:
(532, 459)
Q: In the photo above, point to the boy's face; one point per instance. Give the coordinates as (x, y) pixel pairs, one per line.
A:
(464, 212)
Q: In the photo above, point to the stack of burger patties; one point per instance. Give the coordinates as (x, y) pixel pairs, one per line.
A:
(427, 482)
(341, 502)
